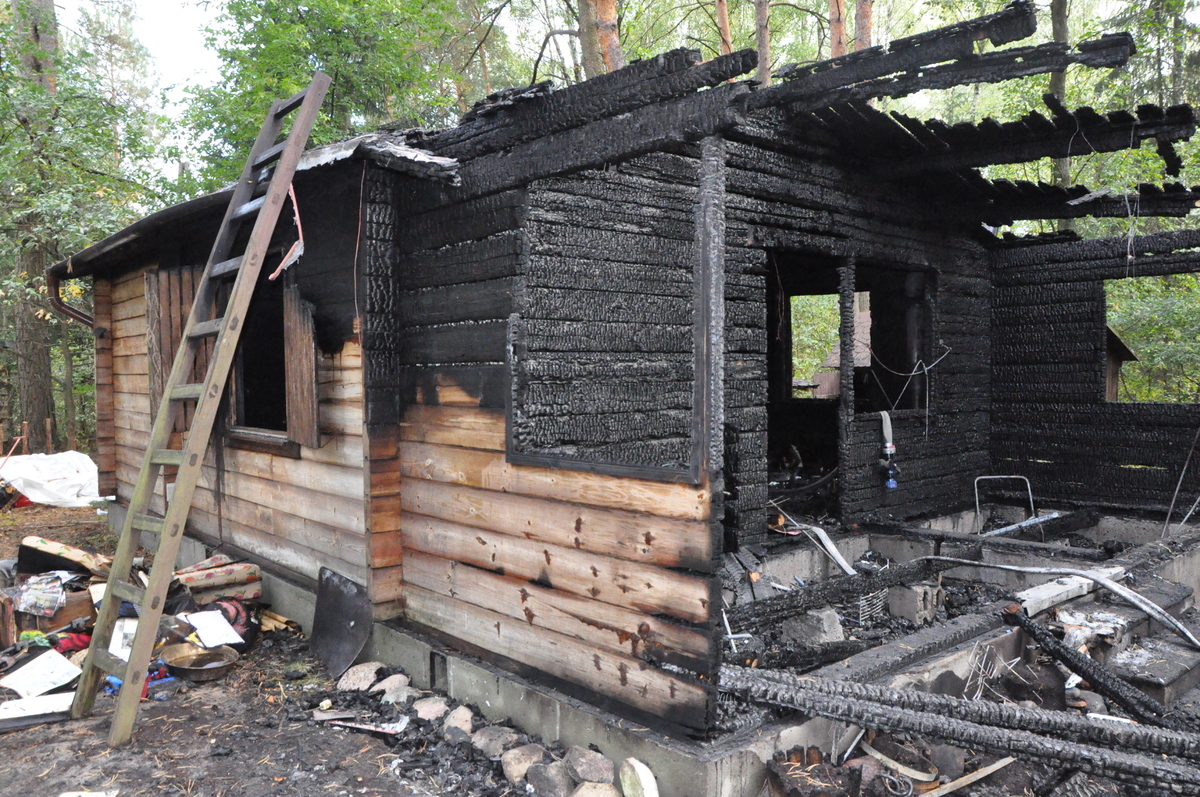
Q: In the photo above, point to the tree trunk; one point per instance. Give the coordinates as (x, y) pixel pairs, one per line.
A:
(723, 27)
(1058, 87)
(862, 24)
(32, 344)
(35, 21)
(589, 40)
(762, 38)
(68, 387)
(837, 28)
(610, 38)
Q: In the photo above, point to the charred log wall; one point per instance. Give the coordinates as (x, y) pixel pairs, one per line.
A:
(1051, 421)
(603, 349)
(785, 199)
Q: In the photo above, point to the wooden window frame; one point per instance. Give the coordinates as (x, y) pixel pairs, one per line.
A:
(300, 363)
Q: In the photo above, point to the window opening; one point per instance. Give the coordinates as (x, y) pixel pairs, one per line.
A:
(1152, 339)
(817, 342)
(261, 381)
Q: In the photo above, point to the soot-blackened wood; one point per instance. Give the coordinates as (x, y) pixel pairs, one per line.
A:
(584, 102)
(1121, 206)
(1083, 137)
(644, 130)
(757, 616)
(1015, 22)
(495, 257)
(709, 314)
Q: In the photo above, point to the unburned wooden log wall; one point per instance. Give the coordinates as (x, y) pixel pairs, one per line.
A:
(1051, 421)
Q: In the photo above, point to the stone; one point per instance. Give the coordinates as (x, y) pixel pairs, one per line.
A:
(550, 780)
(492, 740)
(517, 761)
(460, 718)
(588, 766)
(359, 677)
(595, 790)
(430, 708)
(813, 628)
(636, 779)
(917, 603)
(389, 683)
(950, 761)
(455, 735)
(400, 695)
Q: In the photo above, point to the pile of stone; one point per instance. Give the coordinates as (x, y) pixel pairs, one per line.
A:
(454, 743)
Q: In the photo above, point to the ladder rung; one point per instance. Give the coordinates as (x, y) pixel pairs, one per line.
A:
(187, 392)
(109, 663)
(248, 208)
(229, 266)
(148, 523)
(290, 104)
(167, 456)
(269, 155)
(128, 592)
(204, 329)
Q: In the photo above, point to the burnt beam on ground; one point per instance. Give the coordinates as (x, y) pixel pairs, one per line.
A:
(763, 614)
(1104, 681)
(1123, 766)
(1015, 22)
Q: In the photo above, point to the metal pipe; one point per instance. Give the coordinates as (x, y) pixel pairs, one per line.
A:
(1145, 604)
(53, 288)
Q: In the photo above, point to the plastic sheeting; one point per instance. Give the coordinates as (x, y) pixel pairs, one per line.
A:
(65, 479)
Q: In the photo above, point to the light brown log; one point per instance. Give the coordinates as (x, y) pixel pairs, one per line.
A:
(490, 471)
(465, 427)
(665, 542)
(602, 625)
(647, 589)
(622, 678)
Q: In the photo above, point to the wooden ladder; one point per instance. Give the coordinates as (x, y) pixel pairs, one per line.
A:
(270, 167)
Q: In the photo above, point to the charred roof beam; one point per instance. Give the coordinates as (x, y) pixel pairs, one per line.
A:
(1175, 201)
(1035, 137)
(1015, 22)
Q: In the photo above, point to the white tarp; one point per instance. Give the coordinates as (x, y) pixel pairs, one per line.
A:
(65, 479)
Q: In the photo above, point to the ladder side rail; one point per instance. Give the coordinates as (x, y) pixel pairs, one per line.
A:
(218, 371)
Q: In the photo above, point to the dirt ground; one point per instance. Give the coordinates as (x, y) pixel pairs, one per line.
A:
(244, 736)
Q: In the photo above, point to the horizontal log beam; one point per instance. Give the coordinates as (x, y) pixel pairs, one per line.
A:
(1015, 22)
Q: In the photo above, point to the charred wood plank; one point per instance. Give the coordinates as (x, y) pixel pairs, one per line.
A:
(1178, 205)
(760, 615)
(1015, 22)
(1060, 724)
(1099, 135)
(584, 103)
(1129, 768)
(638, 132)
(1103, 680)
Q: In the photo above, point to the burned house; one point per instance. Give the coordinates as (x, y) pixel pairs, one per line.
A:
(532, 381)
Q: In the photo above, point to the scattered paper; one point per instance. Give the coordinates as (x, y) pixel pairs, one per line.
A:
(122, 639)
(212, 629)
(97, 592)
(48, 671)
(36, 706)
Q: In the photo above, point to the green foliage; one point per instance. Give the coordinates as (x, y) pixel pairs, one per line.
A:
(1159, 319)
(815, 327)
(383, 57)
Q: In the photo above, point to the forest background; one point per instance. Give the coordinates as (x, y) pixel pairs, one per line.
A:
(89, 143)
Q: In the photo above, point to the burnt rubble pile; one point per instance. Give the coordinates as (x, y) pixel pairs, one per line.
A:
(438, 740)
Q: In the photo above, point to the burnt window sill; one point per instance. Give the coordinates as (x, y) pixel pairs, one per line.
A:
(264, 441)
